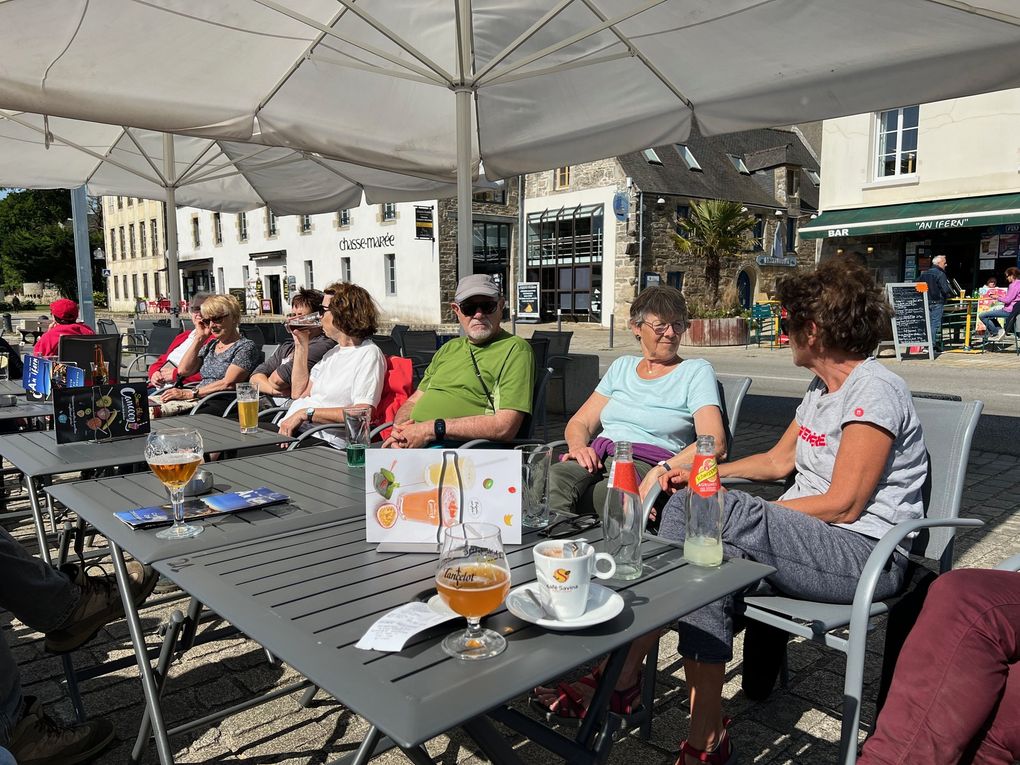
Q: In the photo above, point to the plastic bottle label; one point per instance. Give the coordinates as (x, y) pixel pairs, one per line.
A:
(625, 477)
(705, 475)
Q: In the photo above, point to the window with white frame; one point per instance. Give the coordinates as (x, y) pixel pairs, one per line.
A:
(651, 157)
(123, 240)
(390, 273)
(561, 178)
(738, 164)
(344, 217)
(120, 203)
(687, 157)
(389, 211)
(245, 274)
(116, 288)
(221, 282)
(306, 223)
(113, 244)
(897, 142)
(309, 275)
(154, 230)
(242, 227)
(130, 201)
(217, 228)
(155, 285)
(141, 239)
(123, 280)
(196, 232)
(145, 286)
(345, 269)
(134, 286)
(271, 228)
(131, 238)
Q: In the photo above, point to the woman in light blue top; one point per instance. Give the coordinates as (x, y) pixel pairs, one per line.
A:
(658, 401)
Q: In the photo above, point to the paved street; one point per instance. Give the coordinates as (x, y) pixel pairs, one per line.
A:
(799, 724)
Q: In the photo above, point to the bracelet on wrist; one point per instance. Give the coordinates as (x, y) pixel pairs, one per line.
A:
(664, 465)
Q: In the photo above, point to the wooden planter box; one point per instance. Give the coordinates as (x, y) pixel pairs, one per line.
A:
(702, 332)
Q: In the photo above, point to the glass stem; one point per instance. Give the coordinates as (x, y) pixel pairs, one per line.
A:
(474, 627)
(177, 500)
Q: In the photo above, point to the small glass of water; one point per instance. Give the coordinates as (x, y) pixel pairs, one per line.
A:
(5, 366)
(356, 418)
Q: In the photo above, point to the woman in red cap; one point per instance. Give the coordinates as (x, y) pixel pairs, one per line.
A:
(65, 322)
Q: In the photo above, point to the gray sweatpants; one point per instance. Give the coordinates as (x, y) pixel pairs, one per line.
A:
(813, 560)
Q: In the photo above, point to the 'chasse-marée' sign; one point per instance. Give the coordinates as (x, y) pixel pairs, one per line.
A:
(366, 242)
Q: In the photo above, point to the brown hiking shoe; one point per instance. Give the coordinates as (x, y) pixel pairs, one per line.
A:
(99, 604)
(39, 740)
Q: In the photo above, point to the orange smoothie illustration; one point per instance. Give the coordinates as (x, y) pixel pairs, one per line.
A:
(424, 506)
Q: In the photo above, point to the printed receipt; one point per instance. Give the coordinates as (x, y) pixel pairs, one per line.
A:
(392, 631)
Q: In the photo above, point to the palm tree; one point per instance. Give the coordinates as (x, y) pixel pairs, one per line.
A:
(713, 229)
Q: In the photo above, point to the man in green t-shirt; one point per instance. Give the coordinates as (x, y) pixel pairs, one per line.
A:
(477, 386)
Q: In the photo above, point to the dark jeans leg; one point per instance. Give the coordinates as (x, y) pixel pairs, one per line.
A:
(956, 688)
(935, 313)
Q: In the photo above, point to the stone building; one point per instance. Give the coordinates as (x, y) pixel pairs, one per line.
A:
(583, 221)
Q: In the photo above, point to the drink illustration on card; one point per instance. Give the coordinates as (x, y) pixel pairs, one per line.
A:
(414, 494)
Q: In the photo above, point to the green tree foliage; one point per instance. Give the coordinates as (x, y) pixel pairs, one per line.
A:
(714, 229)
(37, 242)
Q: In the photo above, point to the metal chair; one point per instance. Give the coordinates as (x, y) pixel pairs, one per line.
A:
(387, 344)
(419, 346)
(556, 358)
(81, 350)
(762, 325)
(159, 341)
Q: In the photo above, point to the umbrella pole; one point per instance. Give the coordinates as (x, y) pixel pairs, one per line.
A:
(465, 254)
(173, 274)
(82, 256)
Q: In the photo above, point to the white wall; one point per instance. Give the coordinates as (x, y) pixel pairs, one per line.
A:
(417, 297)
(965, 147)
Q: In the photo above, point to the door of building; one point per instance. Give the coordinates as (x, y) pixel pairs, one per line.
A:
(275, 291)
(744, 290)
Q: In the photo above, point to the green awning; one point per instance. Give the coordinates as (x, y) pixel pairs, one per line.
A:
(916, 216)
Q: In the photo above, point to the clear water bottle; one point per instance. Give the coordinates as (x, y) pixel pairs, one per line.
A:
(621, 514)
(703, 543)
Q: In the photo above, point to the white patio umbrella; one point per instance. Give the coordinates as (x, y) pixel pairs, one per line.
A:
(432, 86)
(54, 152)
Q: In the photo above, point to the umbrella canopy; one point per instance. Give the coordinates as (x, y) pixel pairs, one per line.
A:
(430, 87)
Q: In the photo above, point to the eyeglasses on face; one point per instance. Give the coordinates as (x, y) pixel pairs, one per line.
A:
(660, 329)
(471, 307)
(570, 526)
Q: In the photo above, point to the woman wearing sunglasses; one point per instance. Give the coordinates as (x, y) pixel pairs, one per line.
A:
(221, 356)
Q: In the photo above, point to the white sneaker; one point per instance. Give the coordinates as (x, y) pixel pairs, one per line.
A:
(998, 335)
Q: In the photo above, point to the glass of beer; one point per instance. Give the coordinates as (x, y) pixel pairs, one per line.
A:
(248, 407)
(473, 579)
(174, 455)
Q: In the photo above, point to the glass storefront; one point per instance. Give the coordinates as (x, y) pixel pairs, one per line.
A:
(565, 258)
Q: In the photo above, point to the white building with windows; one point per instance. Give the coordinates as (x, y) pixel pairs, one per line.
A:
(135, 244)
(906, 184)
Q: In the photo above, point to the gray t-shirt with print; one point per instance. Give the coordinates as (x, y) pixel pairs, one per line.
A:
(875, 395)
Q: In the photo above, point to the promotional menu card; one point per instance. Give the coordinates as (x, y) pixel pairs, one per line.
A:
(215, 504)
(100, 413)
(40, 376)
(410, 492)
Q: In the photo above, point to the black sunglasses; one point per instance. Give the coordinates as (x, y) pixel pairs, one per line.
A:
(470, 308)
(570, 526)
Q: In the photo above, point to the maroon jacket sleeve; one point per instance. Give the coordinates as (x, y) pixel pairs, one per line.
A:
(153, 368)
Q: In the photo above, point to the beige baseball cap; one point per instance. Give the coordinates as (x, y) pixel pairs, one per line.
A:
(476, 285)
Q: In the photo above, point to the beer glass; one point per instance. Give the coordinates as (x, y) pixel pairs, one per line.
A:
(473, 579)
(174, 455)
(248, 407)
(356, 418)
(308, 321)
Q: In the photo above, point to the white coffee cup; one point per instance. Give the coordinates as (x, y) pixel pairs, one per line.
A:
(564, 576)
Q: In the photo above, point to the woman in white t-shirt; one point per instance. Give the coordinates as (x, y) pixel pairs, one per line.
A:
(349, 375)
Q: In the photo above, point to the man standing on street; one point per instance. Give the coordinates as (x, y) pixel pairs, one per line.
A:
(939, 291)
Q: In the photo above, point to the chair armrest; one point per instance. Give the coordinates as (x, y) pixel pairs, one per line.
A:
(377, 431)
(475, 442)
(316, 429)
(211, 397)
(277, 411)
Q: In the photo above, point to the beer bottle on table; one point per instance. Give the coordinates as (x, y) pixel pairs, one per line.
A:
(703, 543)
(100, 372)
(622, 516)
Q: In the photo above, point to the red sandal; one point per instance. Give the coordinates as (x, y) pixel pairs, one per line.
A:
(571, 706)
(723, 754)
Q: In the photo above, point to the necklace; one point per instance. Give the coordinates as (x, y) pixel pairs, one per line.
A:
(665, 367)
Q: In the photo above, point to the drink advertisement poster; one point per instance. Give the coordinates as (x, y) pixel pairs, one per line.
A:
(41, 376)
(101, 413)
(413, 493)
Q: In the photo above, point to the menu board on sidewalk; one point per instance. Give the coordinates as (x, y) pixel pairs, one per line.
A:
(101, 412)
(528, 308)
(910, 323)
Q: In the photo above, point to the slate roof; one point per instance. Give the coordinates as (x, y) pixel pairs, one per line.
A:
(762, 150)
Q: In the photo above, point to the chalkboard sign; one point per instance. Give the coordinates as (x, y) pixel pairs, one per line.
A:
(101, 413)
(527, 301)
(910, 323)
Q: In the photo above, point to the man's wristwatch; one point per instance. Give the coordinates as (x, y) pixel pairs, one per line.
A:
(440, 430)
(309, 413)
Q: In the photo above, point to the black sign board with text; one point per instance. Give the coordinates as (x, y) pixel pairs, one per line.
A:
(101, 413)
(910, 323)
(527, 301)
(423, 224)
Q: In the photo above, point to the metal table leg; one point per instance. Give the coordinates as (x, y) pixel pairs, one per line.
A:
(141, 654)
(37, 517)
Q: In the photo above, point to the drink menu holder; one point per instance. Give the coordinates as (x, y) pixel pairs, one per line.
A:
(41, 376)
(101, 412)
(412, 495)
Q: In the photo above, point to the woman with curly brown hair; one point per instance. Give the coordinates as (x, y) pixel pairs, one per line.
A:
(351, 374)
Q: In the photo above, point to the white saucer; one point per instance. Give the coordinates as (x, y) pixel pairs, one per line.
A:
(603, 604)
(438, 605)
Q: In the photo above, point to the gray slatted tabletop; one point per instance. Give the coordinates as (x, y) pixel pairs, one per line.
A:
(26, 410)
(38, 455)
(12, 387)
(320, 486)
(309, 595)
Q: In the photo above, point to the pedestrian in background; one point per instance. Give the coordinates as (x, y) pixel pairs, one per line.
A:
(939, 291)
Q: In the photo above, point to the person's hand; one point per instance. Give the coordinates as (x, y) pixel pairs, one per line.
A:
(301, 338)
(204, 329)
(675, 479)
(586, 457)
(290, 425)
(412, 435)
(157, 379)
(177, 394)
(650, 480)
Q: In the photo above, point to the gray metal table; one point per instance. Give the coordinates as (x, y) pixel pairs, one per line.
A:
(38, 455)
(25, 410)
(310, 594)
(12, 387)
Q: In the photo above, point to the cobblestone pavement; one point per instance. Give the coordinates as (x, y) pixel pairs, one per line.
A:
(798, 724)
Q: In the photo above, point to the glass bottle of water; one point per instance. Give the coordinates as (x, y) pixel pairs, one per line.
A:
(621, 514)
(703, 543)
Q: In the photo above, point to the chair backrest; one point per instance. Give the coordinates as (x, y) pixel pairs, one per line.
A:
(948, 432)
(106, 326)
(732, 390)
(396, 390)
(761, 311)
(81, 350)
(417, 340)
(160, 339)
(386, 344)
(398, 332)
(537, 416)
(540, 349)
(559, 342)
(268, 330)
(253, 333)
